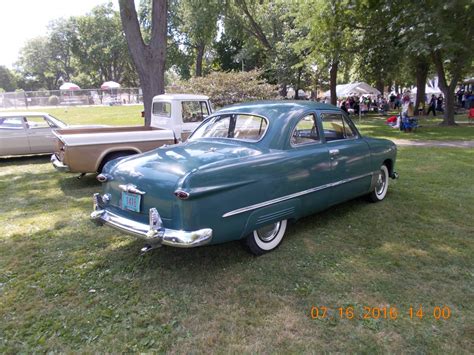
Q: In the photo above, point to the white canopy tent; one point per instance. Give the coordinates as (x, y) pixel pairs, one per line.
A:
(429, 90)
(352, 89)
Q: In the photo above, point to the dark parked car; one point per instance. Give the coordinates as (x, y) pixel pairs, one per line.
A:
(244, 173)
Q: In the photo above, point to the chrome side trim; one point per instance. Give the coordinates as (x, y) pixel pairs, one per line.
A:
(296, 194)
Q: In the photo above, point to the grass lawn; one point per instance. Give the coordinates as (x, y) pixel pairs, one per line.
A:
(68, 286)
(371, 125)
(374, 125)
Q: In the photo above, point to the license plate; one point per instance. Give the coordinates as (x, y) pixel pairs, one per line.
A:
(131, 202)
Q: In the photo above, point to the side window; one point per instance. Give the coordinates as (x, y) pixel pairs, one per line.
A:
(336, 127)
(305, 131)
(11, 123)
(161, 108)
(194, 111)
(36, 122)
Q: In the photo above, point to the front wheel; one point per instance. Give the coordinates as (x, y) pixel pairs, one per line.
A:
(381, 185)
(267, 238)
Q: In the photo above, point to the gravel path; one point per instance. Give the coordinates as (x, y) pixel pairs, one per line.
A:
(446, 144)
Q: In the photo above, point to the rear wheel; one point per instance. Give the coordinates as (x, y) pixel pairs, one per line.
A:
(381, 185)
(113, 156)
(267, 238)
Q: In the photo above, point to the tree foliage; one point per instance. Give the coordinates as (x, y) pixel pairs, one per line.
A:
(7, 79)
(229, 88)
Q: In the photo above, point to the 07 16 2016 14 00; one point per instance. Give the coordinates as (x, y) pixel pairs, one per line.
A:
(441, 312)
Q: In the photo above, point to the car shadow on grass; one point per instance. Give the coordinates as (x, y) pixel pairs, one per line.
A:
(24, 160)
(71, 186)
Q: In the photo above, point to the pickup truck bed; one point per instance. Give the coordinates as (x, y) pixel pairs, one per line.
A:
(87, 150)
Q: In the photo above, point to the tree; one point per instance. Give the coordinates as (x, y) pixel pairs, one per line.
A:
(149, 58)
(37, 66)
(62, 37)
(271, 26)
(445, 34)
(101, 49)
(7, 79)
(198, 25)
(378, 48)
(329, 39)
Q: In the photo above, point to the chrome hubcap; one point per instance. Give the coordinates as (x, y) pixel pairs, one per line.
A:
(267, 233)
(380, 186)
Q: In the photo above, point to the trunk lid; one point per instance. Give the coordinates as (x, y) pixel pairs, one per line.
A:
(157, 172)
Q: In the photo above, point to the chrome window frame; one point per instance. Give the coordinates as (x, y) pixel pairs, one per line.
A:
(315, 122)
(344, 118)
(232, 139)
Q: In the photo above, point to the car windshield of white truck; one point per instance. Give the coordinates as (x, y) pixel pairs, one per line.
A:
(234, 126)
(161, 108)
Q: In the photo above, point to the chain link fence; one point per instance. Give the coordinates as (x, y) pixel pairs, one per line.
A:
(60, 98)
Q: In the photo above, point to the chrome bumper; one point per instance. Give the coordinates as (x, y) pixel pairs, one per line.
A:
(58, 165)
(152, 232)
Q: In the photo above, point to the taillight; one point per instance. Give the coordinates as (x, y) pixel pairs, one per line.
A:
(182, 195)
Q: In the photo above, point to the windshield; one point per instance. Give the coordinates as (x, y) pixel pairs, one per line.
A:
(234, 126)
(57, 122)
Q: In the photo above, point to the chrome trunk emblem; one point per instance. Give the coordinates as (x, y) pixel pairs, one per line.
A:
(132, 189)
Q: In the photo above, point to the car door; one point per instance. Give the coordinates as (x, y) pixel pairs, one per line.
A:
(349, 155)
(40, 134)
(307, 169)
(13, 136)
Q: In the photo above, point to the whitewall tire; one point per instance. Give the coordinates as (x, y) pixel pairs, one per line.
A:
(267, 238)
(381, 186)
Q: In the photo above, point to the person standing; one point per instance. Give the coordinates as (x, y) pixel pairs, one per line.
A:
(432, 106)
(439, 103)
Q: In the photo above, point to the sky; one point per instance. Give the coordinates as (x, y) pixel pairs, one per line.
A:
(21, 20)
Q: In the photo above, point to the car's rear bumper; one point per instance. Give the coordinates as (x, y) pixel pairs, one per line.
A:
(58, 165)
(152, 232)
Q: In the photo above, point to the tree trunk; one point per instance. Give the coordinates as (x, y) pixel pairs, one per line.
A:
(333, 82)
(447, 89)
(283, 91)
(298, 84)
(379, 85)
(149, 59)
(422, 68)
(199, 57)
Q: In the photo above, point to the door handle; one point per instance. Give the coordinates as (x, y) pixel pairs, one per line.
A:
(333, 152)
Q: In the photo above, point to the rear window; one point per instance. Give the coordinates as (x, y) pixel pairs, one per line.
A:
(234, 126)
(161, 108)
(11, 123)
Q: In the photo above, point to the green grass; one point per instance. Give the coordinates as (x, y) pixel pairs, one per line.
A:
(110, 115)
(67, 285)
(374, 125)
(371, 125)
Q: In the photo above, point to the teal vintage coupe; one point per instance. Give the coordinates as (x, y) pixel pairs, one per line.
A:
(245, 173)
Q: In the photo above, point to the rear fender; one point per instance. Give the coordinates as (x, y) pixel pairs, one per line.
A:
(115, 150)
(272, 214)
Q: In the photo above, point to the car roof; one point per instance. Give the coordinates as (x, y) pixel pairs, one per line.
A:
(180, 97)
(277, 108)
(22, 113)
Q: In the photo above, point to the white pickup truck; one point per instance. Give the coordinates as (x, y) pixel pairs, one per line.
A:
(174, 117)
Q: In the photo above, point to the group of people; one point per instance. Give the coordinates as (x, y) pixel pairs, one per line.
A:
(356, 104)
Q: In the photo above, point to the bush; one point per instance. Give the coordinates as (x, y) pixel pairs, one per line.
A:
(53, 100)
(228, 88)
